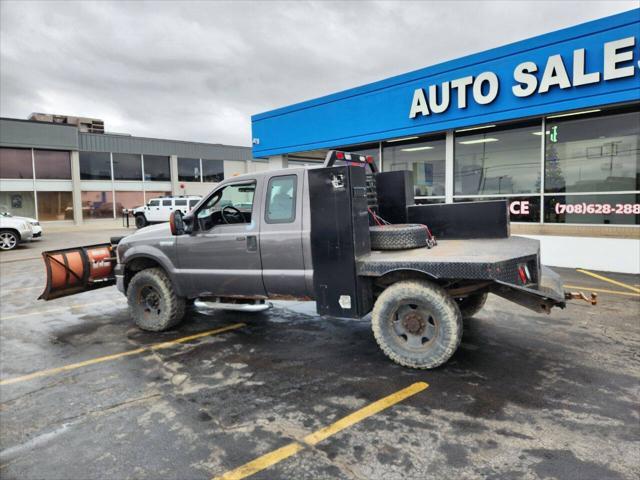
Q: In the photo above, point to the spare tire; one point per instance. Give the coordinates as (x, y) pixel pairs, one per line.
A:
(398, 237)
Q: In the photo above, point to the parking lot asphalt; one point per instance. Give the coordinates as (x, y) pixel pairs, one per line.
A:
(84, 394)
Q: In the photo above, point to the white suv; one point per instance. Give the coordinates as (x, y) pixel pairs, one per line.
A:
(13, 231)
(158, 210)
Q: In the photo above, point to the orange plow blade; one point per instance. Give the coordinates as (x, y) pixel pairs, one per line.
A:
(79, 269)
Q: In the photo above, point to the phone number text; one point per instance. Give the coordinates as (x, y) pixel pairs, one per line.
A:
(598, 208)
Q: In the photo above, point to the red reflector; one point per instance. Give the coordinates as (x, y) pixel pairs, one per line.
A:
(369, 159)
(522, 274)
(340, 155)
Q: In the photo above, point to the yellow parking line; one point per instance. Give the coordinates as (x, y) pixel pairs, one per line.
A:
(271, 458)
(610, 280)
(93, 361)
(22, 289)
(601, 290)
(50, 310)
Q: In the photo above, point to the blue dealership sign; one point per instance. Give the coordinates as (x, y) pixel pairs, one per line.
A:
(589, 65)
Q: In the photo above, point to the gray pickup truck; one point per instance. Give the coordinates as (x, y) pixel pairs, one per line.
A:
(322, 234)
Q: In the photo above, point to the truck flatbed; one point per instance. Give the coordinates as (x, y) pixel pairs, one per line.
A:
(493, 260)
(476, 259)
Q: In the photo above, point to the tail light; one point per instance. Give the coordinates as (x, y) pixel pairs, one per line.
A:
(524, 273)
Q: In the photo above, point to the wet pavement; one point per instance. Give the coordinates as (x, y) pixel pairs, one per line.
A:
(526, 395)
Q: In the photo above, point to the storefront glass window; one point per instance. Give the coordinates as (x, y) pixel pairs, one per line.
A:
(521, 209)
(52, 164)
(149, 195)
(212, 170)
(156, 168)
(20, 204)
(127, 166)
(611, 209)
(97, 205)
(55, 205)
(495, 161)
(15, 163)
(129, 200)
(95, 166)
(425, 159)
(189, 169)
(598, 154)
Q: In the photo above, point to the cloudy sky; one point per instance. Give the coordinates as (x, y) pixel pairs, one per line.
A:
(199, 70)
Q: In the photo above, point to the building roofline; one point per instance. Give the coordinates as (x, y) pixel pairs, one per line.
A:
(122, 135)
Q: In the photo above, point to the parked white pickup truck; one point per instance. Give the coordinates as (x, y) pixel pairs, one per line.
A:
(158, 210)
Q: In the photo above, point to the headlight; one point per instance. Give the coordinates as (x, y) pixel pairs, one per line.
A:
(35, 224)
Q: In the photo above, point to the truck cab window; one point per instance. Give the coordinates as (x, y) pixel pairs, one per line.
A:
(281, 199)
(230, 205)
(154, 203)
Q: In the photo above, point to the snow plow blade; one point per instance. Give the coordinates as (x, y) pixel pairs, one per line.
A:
(79, 269)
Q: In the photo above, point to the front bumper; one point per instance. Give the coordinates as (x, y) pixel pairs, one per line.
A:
(26, 235)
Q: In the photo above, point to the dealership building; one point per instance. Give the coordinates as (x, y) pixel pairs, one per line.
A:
(67, 169)
(551, 124)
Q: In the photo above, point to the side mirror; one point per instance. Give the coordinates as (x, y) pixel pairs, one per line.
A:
(176, 223)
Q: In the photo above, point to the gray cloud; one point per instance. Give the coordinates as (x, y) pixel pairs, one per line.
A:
(199, 70)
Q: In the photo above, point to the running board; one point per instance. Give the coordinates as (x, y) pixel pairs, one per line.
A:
(240, 307)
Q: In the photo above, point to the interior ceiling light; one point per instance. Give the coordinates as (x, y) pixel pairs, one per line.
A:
(480, 140)
(415, 149)
(574, 113)
(474, 128)
(400, 139)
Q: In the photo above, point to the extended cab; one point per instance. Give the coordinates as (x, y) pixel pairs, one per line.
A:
(322, 234)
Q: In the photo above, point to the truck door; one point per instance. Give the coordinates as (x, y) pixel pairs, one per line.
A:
(152, 210)
(283, 269)
(222, 256)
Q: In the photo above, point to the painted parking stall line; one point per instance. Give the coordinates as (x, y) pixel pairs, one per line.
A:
(115, 356)
(282, 453)
(609, 280)
(54, 310)
(603, 290)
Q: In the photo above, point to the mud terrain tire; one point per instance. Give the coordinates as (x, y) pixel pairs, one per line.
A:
(153, 303)
(398, 237)
(416, 324)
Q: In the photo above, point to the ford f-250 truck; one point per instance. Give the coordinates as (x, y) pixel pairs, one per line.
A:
(350, 240)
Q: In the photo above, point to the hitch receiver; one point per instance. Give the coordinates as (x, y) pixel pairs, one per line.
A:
(581, 296)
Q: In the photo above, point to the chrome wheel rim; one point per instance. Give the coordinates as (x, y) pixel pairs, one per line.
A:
(7, 241)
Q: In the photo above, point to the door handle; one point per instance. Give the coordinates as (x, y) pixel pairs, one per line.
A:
(241, 239)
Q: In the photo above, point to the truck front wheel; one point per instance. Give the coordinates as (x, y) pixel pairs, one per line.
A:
(416, 324)
(153, 302)
(141, 220)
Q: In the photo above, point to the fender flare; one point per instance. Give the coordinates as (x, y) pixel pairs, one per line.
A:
(157, 256)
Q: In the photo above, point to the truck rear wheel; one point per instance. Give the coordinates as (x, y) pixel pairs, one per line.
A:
(141, 221)
(472, 304)
(153, 302)
(416, 324)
